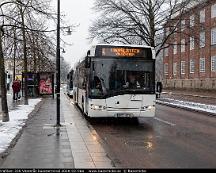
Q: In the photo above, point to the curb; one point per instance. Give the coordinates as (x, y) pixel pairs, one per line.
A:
(185, 108)
(93, 131)
(16, 138)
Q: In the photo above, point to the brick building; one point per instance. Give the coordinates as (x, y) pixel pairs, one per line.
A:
(190, 59)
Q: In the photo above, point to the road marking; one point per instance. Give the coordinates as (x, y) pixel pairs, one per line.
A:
(163, 121)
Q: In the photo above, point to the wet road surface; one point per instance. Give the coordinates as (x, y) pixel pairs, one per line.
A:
(175, 138)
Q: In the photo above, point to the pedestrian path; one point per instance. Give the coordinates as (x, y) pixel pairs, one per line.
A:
(41, 145)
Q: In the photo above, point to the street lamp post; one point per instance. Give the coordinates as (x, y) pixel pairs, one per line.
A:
(58, 67)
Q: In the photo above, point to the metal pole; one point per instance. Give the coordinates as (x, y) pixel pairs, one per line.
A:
(14, 61)
(58, 67)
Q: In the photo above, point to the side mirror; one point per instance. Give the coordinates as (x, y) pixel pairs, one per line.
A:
(159, 87)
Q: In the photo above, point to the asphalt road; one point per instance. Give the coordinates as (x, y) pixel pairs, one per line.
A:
(175, 138)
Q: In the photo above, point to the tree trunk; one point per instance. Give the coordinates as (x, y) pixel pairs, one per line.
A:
(5, 114)
(25, 59)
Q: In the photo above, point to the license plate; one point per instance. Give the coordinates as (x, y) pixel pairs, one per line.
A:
(124, 115)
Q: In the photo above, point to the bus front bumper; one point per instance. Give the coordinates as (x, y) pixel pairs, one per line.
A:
(120, 113)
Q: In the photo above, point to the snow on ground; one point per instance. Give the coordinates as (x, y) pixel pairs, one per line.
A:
(190, 105)
(18, 117)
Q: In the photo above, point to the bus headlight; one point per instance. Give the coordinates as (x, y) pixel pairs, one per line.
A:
(150, 107)
(97, 107)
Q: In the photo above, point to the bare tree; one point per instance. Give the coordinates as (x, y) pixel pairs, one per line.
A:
(15, 14)
(137, 21)
(65, 68)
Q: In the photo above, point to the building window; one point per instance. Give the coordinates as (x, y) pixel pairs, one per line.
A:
(213, 64)
(191, 43)
(182, 67)
(213, 36)
(202, 65)
(166, 51)
(183, 45)
(166, 68)
(192, 20)
(175, 68)
(202, 39)
(192, 66)
(213, 11)
(182, 25)
(202, 16)
(167, 31)
(175, 48)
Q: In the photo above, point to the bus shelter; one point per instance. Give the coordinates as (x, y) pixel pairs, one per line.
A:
(39, 83)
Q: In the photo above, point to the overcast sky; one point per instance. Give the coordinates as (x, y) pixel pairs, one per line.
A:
(78, 12)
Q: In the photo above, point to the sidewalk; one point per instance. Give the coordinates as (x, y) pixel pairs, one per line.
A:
(199, 101)
(204, 97)
(39, 146)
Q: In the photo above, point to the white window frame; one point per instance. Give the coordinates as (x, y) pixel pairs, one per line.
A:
(175, 48)
(167, 31)
(166, 51)
(182, 67)
(192, 43)
(202, 65)
(175, 68)
(182, 25)
(202, 16)
(213, 36)
(192, 20)
(213, 63)
(183, 45)
(202, 39)
(166, 69)
(192, 66)
(213, 11)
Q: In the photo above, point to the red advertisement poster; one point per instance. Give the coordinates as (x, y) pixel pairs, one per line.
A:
(45, 83)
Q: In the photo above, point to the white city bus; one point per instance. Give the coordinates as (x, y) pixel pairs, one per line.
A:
(116, 81)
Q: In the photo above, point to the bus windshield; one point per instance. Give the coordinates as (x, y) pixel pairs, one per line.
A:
(121, 76)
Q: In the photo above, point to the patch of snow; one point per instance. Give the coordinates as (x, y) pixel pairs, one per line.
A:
(18, 117)
(190, 105)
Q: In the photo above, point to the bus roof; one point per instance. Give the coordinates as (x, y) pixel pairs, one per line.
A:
(91, 52)
(124, 45)
(92, 49)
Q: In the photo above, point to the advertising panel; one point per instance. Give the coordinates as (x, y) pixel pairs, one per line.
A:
(45, 84)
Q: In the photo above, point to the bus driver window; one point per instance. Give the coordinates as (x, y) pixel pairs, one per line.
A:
(132, 81)
(96, 86)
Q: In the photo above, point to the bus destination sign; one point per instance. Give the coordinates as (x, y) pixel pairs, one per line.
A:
(125, 52)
